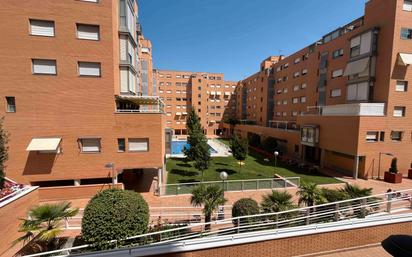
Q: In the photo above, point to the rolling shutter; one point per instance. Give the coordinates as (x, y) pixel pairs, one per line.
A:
(89, 69)
(42, 28)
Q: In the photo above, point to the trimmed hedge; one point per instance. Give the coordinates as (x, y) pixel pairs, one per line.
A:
(245, 207)
(114, 214)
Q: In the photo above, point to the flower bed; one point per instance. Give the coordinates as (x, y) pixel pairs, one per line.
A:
(10, 189)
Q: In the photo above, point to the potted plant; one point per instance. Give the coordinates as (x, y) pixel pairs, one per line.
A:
(392, 176)
(410, 172)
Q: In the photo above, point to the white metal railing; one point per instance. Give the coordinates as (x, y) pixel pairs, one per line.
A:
(139, 111)
(330, 214)
(232, 185)
(351, 109)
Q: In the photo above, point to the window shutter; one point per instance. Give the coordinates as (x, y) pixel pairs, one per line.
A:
(363, 91)
(124, 87)
(351, 95)
(44, 66)
(90, 145)
(89, 69)
(139, 144)
(366, 43)
(42, 28)
(89, 32)
(355, 41)
(123, 47)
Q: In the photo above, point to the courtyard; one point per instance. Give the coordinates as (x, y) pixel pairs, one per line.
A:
(256, 166)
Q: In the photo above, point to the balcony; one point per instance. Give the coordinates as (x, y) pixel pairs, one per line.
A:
(355, 109)
(139, 104)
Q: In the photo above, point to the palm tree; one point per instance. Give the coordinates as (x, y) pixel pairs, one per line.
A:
(277, 201)
(210, 197)
(44, 224)
(354, 191)
(310, 194)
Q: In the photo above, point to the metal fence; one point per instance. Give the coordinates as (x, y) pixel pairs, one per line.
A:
(232, 185)
(331, 214)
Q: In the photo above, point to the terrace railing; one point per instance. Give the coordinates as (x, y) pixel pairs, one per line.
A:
(336, 214)
(232, 185)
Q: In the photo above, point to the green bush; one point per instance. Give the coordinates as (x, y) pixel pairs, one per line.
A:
(114, 214)
(332, 195)
(270, 144)
(244, 207)
(394, 166)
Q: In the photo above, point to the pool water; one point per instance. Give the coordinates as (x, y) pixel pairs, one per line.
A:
(177, 147)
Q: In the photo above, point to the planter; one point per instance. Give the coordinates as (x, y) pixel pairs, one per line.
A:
(395, 178)
(410, 173)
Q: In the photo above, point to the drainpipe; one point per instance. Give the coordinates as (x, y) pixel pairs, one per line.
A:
(356, 168)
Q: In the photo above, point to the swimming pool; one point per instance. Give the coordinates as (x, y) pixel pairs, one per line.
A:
(177, 147)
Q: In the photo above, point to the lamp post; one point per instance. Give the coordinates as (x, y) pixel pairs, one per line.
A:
(223, 176)
(379, 162)
(276, 153)
(111, 166)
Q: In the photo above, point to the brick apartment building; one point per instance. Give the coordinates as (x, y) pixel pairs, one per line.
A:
(210, 95)
(77, 91)
(342, 102)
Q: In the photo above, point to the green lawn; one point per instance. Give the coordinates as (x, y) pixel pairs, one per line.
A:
(255, 168)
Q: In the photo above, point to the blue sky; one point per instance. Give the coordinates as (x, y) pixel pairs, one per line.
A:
(234, 36)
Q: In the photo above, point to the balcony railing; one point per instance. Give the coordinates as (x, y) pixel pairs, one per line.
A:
(355, 109)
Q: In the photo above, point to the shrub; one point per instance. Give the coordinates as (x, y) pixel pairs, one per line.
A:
(331, 195)
(114, 214)
(244, 207)
(270, 144)
(394, 166)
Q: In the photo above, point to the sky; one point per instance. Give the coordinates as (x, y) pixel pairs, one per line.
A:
(234, 36)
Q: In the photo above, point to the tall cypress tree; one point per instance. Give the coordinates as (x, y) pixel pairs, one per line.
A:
(4, 139)
(198, 150)
(239, 148)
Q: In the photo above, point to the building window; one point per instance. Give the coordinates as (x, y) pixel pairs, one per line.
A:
(361, 44)
(10, 104)
(90, 1)
(42, 28)
(382, 136)
(138, 144)
(406, 33)
(358, 92)
(90, 145)
(296, 88)
(337, 73)
(295, 100)
(396, 135)
(401, 86)
(335, 92)
(407, 5)
(304, 71)
(337, 53)
(92, 69)
(303, 99)
(372, 136)
(121, 145)
(88, 32)
(304, 85)
(399, 111)
(41, 66)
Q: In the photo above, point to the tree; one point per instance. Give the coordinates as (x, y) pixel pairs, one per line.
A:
(198, 150)
(114, 214)
(394, 166)
(244, 207)
(277, 201)
(354, 191)
(332, 195)
(4, 139)
(239, 148)
(44, 225)
(210, 197)
(310, 194)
